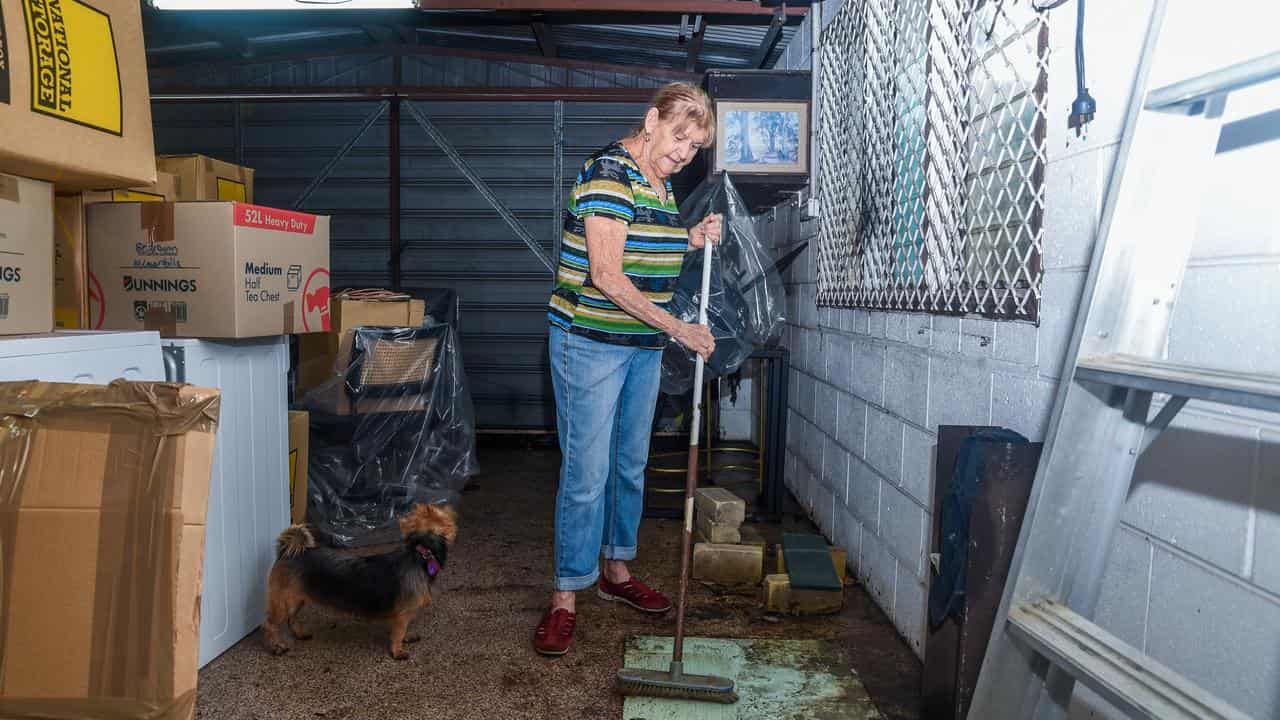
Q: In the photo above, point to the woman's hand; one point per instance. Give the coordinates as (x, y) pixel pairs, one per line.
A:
(708, 229)
(696, 337)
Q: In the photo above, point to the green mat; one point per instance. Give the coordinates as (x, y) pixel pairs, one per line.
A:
(776, 680)
(809, 562)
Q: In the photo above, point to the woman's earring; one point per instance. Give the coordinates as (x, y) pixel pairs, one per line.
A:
(648, 136)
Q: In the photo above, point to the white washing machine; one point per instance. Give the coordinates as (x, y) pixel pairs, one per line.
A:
(82, 356)
(249, 491)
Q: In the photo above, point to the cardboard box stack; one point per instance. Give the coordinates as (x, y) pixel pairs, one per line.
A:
(98, 511)
(105, 487)
(76, 304)
(206, 178)
(76, 112)
(76, 115)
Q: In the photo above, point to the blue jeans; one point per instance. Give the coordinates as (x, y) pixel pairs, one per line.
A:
(605, 399)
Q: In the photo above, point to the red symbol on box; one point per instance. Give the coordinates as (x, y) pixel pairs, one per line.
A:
(315, 301)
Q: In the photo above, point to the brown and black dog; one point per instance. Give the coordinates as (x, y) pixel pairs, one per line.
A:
(392, 586)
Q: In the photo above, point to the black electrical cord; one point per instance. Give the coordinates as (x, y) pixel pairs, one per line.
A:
(1084, 106)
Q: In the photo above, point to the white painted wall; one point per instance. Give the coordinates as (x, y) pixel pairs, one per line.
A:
(1194, 579)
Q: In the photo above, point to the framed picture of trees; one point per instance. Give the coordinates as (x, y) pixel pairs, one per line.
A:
(761, 137)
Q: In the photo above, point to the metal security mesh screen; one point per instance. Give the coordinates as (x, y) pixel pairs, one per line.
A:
(932, 140)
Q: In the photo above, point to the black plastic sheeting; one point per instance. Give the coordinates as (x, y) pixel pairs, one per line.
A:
(394, 427)
(745, 301)
(947, 592)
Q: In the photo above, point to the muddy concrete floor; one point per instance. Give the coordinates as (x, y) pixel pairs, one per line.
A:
(475, 659)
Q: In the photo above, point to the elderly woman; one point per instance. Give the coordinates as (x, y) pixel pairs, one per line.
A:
(622, 249)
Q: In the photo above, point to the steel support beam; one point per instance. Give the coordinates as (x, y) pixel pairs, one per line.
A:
(546, 43)
(367, 94)
(701, 7)
(187, 69)
(393, 172)
(695, 44)
(769, 42)
(327, 170)
(478, 182)
(557, 180)
(238, 118)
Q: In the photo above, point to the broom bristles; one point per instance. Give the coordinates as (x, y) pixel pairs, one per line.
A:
(656, 683)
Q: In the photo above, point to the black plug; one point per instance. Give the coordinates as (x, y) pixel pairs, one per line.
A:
(1082, 110)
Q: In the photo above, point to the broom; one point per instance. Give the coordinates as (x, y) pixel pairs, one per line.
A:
(674, 682)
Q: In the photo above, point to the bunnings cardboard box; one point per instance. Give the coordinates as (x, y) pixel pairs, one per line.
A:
(206, 178)
(26, 255)
(75, 305)
(103, 523)
(209, 269)
(74, 103)
(318, 353)
(299, 449)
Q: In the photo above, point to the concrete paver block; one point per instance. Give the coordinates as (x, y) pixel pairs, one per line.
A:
(728, 564)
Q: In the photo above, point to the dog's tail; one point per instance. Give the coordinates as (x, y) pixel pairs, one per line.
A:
(295, 540)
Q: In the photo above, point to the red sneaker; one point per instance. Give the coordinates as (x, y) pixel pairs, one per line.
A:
(555, 632)
(634, 593)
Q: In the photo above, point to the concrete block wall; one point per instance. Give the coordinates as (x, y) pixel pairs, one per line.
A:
(1191, 580)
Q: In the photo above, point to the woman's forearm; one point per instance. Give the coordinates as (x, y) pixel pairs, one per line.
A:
(606, 242)
(623, 293)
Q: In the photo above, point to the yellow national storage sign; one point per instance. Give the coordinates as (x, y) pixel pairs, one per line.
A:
(74, 105)
(75, 74)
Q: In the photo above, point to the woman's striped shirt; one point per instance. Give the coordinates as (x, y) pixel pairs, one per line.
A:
(611, 185)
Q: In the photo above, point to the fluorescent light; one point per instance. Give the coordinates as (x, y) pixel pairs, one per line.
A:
(284, 4)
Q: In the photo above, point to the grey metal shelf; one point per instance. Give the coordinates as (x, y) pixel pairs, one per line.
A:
(1136, 684)
(1250, 390)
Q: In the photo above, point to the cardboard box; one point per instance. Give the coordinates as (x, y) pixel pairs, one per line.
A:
(75, 306)
(209, 269)
(299, 449)
(74, 102)
(104, 544)
(317, 354)
(166, 188)
(26, 256)
(206, 178)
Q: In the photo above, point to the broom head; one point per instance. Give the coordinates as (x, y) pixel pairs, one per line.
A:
(675, 684)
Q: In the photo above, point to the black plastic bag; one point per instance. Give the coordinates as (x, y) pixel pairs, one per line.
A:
(394, 426)
(745, 300)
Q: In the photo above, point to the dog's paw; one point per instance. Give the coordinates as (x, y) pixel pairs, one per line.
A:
(279, 648)
(412, 637)
(304, 635)
(400, 654)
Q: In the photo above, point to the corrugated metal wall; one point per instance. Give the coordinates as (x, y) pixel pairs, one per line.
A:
(451, 238)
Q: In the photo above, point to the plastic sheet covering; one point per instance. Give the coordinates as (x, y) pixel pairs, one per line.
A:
(745, 301)
(393, 427)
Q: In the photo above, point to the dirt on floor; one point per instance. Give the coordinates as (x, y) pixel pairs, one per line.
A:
(475, 660)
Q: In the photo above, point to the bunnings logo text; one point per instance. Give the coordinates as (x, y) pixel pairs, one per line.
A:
(10, 274)
(133, 284)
